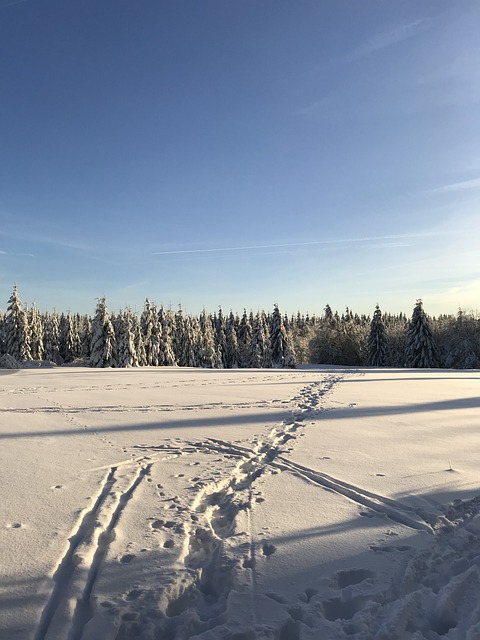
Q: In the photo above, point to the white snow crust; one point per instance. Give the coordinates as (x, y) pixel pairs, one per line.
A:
(173, 503)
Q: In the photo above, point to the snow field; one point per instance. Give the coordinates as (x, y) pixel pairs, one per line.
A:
(239, 504)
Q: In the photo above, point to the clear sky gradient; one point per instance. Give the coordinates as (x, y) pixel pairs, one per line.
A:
(240, 153)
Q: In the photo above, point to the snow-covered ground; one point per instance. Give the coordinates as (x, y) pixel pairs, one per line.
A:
(167, 503)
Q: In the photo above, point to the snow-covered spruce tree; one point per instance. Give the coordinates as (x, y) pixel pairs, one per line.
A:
(84, 324)
(301, 334)
(36, 333)
(421, 350)
(167, 322)
(244, 337)
(51, 339)
(103, 338)
(63, 330)
(72, 345)
(178, 331)
(220, 335)
(396, 329)
(377, 341)
(151, 331)
(17, 335)
(267, 353)
(188, 341)
(462, 342)
(282, 351)
(125, 338)
(138, 341)
(260, 352)
(231, 343)
(208, 354)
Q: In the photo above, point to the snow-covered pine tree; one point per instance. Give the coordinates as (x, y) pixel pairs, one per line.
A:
(231, 343)
(282, 351)
(36, 333)
(267, 352)
(462, 342)
(377, 341)
(207, 350)
(84, 324)
(244, 337)
(103, 338)
(125, 338)
(17, 335)
(167, 322)
(220, 336)
(63, 330)
(138, 340)
(188, 343)
(51, 339)
(178, 334)
(72, 345)
(421, 350)
(152, 331)
(327, 314)
(260, 352)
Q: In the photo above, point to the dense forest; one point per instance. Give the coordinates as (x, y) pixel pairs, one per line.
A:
(159, 337)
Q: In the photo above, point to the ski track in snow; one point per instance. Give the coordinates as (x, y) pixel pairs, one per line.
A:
(68, 609)
(215, 566)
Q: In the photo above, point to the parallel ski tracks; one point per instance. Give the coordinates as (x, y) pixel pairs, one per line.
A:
(68, 608)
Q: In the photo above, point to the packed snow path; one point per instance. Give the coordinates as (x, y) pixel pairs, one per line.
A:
(167, 503)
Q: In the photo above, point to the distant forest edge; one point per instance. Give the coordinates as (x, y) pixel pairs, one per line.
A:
(162, 337)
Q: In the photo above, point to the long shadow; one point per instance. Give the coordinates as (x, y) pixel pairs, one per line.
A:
(161, 423)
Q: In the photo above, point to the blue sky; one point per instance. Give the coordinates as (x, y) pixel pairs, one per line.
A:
(240, 153)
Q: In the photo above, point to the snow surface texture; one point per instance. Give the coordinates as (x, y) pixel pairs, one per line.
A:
(168, 503)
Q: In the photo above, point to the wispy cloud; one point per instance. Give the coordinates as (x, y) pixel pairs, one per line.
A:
(13, 253)
(374, 44)
(390, 240)
(388, 38)
(464, 185)
(11, 3)
(314, 106)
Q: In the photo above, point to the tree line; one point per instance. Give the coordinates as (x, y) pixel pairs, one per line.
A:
(162, 337)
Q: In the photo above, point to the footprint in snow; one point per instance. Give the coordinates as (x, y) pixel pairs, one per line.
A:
(128, 557)
(268, 549)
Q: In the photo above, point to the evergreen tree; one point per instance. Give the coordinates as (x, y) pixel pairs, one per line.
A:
(220, 336)
(85, 332)
(377, 341)
(282, 351)
(260, 352)
(462, 342)
(125, 338)
(72, 345)
(36, 333)
(151, 331)
(51, 339)
(421, 350)
(103, 338)
(188, 340)
(231, 343)
(167, 322)
(208, 352)
(138, 341)
(244, 337)
(17, 335)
